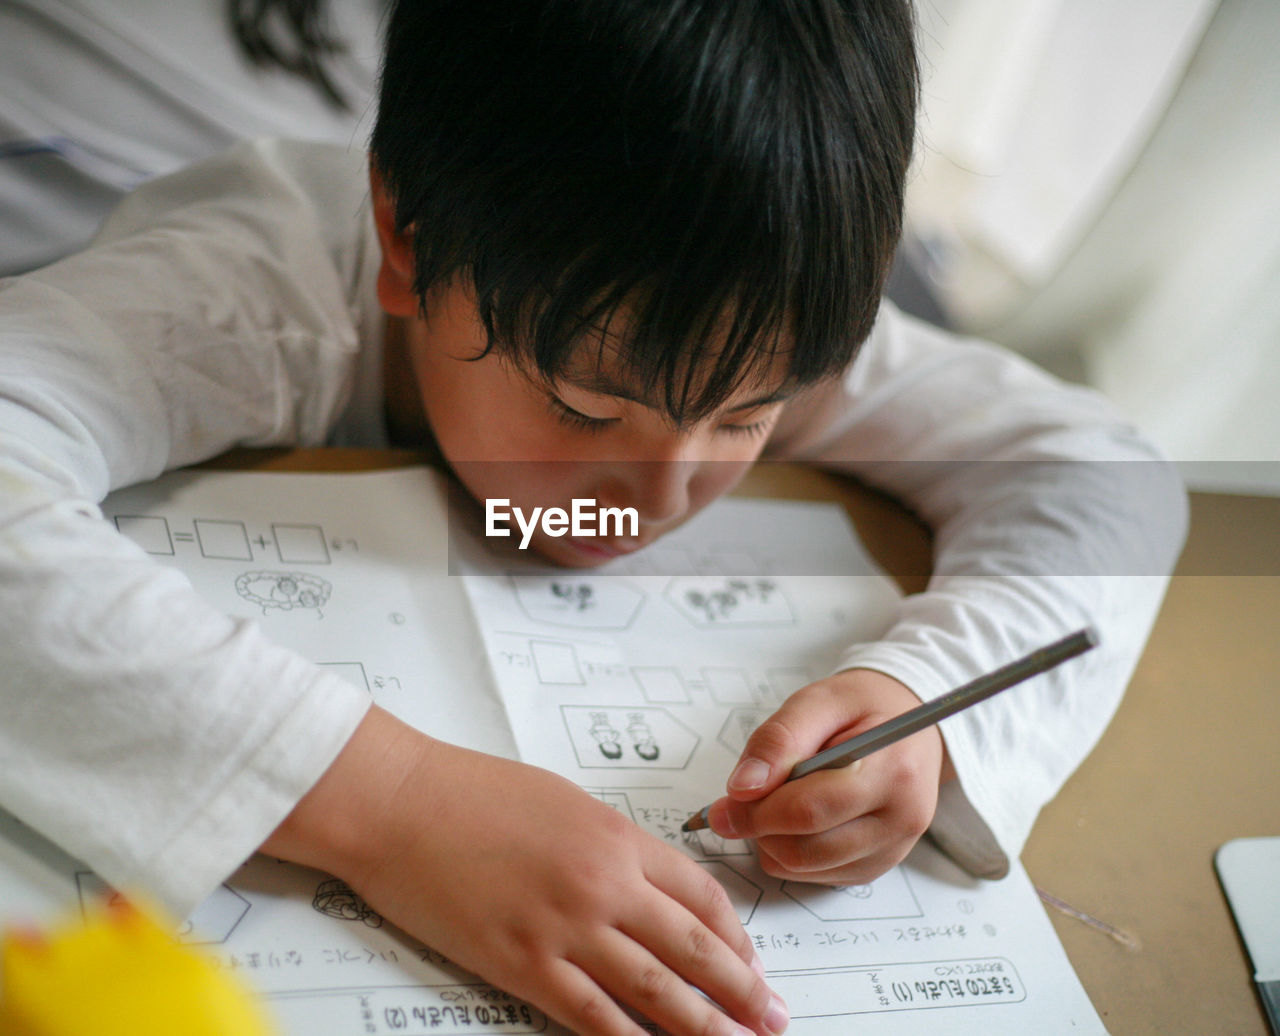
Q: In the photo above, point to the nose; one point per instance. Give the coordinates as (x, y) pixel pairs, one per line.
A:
(657, 489)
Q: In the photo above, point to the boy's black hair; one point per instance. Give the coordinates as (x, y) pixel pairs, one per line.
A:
(725, 176)
(291, 35)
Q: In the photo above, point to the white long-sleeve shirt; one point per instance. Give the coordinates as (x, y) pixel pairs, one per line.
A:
(98, 96)
(234, 303)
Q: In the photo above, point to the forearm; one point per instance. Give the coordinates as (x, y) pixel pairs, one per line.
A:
(346, 823)
(1049, 513)
(144, 731)
(147, 734)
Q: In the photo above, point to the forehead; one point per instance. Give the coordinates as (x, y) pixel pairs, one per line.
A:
(603, 363)
(752, 394)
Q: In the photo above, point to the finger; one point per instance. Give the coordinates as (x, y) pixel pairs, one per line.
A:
(697, 891)
(695, 953)
(843, 846)
(857, 872)
(635, 977)
(808, 720)
(814, 803)
(573, 998)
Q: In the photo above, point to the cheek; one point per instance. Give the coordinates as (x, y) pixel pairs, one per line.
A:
(715, 478)
(723, 466)
(479, 413)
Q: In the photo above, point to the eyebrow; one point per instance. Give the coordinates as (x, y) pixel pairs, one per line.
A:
(604, 385)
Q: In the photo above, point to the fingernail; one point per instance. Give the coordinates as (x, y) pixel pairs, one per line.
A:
(724, 826)
(749, 775)
(776, 1018)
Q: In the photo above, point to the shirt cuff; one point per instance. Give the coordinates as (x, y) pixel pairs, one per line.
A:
(973, 823)
(255, 799)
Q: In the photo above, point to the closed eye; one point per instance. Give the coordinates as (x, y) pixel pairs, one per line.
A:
(577, 420)
(746, 430)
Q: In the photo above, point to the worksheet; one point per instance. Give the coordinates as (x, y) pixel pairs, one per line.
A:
(351, 571)
(640, 682)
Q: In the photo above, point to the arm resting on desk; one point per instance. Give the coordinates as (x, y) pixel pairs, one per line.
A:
(1049, 513)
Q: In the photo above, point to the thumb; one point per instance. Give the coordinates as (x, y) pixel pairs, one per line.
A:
(796, 731)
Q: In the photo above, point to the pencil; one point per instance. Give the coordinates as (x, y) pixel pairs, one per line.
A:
(1039, 661)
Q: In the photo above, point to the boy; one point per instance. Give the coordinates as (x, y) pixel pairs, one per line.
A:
(635, 243)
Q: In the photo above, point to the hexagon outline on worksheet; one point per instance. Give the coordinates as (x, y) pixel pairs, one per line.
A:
(615, 799)
(738, 883)
(889, 897)
(738, 726)
(211, 922)
(620, 737)
(588, 602)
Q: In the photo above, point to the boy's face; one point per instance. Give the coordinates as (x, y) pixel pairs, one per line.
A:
(509, 435)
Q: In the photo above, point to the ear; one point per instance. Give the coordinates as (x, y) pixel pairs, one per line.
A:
(395, 276)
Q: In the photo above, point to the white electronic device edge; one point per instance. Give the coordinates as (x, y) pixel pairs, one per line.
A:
(1249, 869)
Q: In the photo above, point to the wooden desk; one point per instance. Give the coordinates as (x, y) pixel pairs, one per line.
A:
(1190, 761)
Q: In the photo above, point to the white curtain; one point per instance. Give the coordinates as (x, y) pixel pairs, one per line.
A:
(1099, 178)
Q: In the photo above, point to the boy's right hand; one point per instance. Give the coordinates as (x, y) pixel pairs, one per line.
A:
(525, 879)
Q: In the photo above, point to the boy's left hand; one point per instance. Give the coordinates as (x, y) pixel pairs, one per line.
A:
(844, 826)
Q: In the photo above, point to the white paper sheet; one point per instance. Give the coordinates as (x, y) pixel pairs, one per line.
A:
(641, 687)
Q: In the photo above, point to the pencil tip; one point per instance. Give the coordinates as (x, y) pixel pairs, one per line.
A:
(696, 822)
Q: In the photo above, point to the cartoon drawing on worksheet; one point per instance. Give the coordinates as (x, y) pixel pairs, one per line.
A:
(607, 736)
(335, 898)
(584, 602)
(715, 601)
(283, 591)
(654, 738)
(642, 739)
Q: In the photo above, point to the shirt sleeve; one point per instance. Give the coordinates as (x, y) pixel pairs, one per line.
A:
(1049, 513)
(154, 738)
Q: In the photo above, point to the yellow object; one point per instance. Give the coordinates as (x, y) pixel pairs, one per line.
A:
(118, 974)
